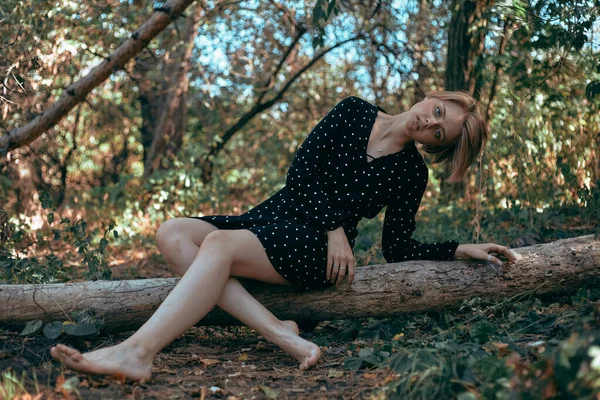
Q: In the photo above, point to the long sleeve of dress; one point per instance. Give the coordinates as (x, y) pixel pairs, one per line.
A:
(398, 226)
(305, 177)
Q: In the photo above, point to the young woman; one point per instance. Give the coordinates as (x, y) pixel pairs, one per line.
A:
(357, 160)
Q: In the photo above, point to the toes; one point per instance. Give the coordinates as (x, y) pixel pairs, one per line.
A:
(71, 352)
(57, 354)
(304, 365)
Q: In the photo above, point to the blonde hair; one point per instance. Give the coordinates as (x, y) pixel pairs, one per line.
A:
(472, 139)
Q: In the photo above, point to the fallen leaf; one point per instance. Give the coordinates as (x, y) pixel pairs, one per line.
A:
(29, 397)
(59, 382)
(120, 377)
(398, 336)
(168, 371)
(390, 378)
(502, 348)
(71, 384)
(369, 375)
(243, 357)
(270, 393)
(198, 371)
(66, 386)
(334, 373)
(216, 389)
(209, 361)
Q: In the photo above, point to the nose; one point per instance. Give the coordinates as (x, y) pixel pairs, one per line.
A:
(429, 123)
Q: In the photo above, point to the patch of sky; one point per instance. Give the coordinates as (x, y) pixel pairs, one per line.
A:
(227, 36)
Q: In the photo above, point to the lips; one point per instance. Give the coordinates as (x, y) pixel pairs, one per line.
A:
(417, 124)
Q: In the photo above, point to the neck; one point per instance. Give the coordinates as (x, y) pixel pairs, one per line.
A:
(391, 130)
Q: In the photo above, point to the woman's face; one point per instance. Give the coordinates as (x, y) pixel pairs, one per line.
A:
(435, 122)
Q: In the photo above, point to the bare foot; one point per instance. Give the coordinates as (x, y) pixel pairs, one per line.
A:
(117, 359)
(301, 349)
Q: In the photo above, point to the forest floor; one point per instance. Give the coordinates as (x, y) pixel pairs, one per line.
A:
(546, 347)
(206, 362)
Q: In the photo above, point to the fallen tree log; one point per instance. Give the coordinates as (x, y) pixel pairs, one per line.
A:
(378, 290)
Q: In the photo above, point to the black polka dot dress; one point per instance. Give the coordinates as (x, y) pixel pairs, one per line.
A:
(330, 184)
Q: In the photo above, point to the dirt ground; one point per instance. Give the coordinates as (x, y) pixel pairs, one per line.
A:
(206, 362)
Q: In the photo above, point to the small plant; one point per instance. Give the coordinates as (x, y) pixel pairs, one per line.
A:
(12, 386)
(80, 323)
(16, 268)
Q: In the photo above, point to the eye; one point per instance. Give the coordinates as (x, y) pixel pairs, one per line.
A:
(438, 112)
(438, 134)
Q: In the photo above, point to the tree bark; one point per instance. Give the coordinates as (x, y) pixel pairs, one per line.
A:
(464, 63)
(166, 133)
(378, 290)
(77, 92)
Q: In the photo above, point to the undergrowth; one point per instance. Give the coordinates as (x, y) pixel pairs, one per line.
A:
(523, 347)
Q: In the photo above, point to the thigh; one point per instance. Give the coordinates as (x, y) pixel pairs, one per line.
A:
(249, 258)
(194, 229)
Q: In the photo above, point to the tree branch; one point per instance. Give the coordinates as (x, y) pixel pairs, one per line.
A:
(259, 107)
(77, 92)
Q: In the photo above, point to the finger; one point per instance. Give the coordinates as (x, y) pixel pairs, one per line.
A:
(342, 273)
(351, 268)
(334, 271)
(510, 255)
(492, 247)
(329, 266)
(504, 251)
(495, 260)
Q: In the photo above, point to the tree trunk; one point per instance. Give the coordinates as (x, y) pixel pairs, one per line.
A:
(422, 25)
(378, 290)
(165, 133)
(77, 92)
(464, 64)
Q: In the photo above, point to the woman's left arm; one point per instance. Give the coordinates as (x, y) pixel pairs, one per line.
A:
(481, 252)
(396, 241)
(399, 225)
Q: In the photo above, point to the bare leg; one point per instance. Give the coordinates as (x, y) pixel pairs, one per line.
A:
(193, 297)
(179, 243)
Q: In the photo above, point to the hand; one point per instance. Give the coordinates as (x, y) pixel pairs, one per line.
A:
(480, 252)
(340, 257)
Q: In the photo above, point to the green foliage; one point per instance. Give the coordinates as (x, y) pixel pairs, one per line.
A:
(521, 346)
(17, 268)
(12, 386)
(82, 323)
(321, 13)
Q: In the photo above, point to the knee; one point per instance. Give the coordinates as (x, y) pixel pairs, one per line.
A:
(168, 232)
(218, 238)
(220, 241)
